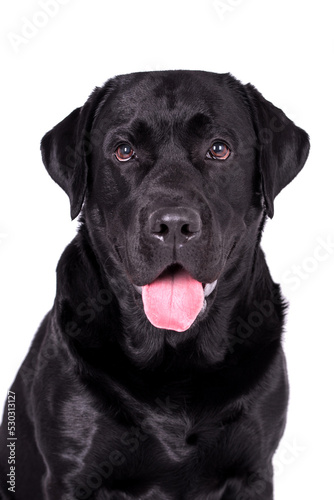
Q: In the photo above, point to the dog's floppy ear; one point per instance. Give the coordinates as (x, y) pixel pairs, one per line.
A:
(65, 149)
(283, 147)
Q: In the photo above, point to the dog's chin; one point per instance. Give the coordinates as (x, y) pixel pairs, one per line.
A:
(174, 300)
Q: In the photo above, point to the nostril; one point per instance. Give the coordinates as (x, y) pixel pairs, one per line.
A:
(163, 230)
(191, 227)
(185, 230)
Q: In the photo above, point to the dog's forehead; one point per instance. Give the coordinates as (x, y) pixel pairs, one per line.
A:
(175, 95)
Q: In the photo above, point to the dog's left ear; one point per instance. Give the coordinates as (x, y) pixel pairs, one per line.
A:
(283, 147)
(66, 147)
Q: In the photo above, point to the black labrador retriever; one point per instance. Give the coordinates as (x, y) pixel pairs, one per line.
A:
(159, 373)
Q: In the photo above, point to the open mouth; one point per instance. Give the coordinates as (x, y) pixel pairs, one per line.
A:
(174, 299)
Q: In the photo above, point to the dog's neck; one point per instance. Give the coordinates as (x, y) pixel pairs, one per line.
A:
(106, 323)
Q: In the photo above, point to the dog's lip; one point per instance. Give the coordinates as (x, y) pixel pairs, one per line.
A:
(207, 287)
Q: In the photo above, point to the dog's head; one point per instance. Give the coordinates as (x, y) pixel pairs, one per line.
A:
(174, 172)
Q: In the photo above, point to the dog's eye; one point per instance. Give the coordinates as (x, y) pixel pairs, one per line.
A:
(218, 151)
(124, 152)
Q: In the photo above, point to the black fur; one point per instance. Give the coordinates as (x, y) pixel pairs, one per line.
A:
(108, 406)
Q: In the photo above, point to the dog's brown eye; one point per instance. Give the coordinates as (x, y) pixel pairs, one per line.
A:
(124, 152)
(218, 151)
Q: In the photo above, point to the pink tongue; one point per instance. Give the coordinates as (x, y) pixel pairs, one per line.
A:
(173, 301)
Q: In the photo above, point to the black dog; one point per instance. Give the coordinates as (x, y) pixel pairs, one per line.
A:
(159, 372)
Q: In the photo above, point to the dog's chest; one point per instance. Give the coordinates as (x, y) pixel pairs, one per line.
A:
(180, 436)
(174, 434)
(177, 449)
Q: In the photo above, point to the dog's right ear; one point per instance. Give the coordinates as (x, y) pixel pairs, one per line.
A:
(65, 149)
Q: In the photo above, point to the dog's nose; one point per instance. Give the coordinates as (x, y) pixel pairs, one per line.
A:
(175, 225)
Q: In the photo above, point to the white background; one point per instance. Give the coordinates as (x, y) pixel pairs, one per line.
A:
(285, 48)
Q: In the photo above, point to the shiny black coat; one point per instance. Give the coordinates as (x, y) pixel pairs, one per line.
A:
(108, 406)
